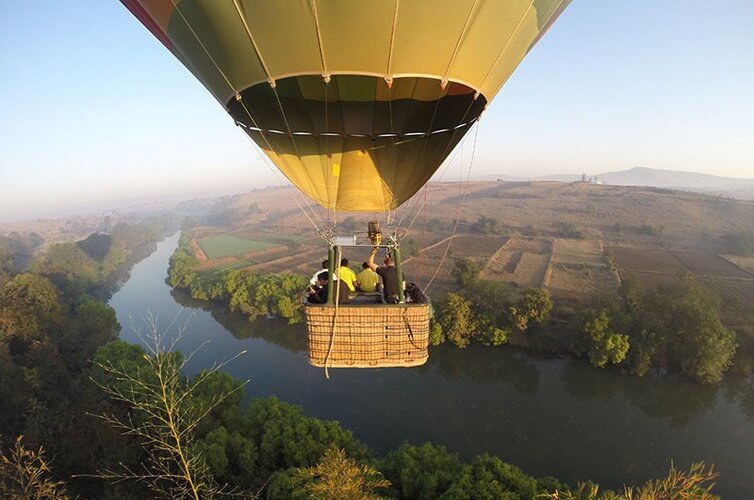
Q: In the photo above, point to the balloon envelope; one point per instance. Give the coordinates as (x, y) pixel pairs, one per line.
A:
(357, 102)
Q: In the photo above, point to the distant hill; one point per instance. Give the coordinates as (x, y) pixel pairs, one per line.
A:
(642, 176)
(671, 179)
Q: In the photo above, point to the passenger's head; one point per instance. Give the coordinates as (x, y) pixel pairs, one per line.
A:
(325, 264)
(364, 265)
(389, 261)
(322, 277)
(344, 262)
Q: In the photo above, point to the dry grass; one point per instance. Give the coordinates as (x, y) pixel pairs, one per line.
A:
(579, 268)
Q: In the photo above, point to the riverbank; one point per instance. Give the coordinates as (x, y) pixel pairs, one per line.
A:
(549, 416)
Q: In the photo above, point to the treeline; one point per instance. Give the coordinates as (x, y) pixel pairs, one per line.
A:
(16, 250)
(242, 290)
(674, 328)
(95, 264)
(51, 326)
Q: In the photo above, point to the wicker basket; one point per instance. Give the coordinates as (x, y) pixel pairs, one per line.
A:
(368, 336)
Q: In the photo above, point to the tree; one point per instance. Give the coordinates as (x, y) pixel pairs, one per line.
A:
(29, 304)
(602, 345)
(491, 300)
(487, 225)
(490, 478)
(286, 438)
(436, 335)
(165, 418)
(457, 320)
(534, 306)
(7, 265)
(687, 330)
(339, 477)
(423, 472)
(466, 272)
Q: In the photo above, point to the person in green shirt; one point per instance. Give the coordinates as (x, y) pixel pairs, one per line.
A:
(368, 279)
(347, 275)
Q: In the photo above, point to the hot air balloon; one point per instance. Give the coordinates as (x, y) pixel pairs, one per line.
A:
(357, 103)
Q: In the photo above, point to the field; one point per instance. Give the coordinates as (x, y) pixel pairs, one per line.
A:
(649, 233)
(522, 261)
(578, 268)
(654, 267)
(745, 263)
(223, 245)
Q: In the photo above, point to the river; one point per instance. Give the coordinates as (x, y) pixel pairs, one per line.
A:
(557, 417)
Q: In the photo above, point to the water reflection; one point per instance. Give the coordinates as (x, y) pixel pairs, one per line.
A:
(486, 365)
(274, 331)
(678, 400)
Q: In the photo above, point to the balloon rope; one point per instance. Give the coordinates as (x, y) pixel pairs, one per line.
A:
(335, 316)
(325, 73)
(444, 80)
(389, 72)
(270, 79)
(421, 154)
(459, 212)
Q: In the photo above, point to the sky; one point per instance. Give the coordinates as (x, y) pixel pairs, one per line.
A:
(95, 113)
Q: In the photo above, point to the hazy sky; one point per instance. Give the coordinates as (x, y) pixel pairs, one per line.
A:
(94, 111)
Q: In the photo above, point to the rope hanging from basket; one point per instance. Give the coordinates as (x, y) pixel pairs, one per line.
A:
(335, 315)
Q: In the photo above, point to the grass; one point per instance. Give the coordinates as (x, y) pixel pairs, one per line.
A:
(223, 245)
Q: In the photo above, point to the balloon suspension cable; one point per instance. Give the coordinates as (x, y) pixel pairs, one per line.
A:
(445, 169)
(461, 204)
(239, 98)
(420, 155)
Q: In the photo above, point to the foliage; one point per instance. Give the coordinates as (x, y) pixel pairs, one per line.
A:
(488, 225)
(89, 265)
(24, 474)
(164, 420)
(678, 325)
(436, 335)
(488, 477)
(422, 472)
(339, 477)
(533, 307)
(7, 265)
(695, 484)
(255, 296)
(466, 272)
(457, 320)
(567, 229)
(602, 345)
(650, 230)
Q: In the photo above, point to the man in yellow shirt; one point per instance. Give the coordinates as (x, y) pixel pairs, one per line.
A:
(347, 275)
(368, 279)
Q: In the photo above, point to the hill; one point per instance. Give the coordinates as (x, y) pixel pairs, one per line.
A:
(652, 177)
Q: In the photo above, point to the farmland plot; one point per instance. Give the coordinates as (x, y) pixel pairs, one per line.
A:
(646, 260)
(745, 263)
(710, 265)
(219, 246)
(579, 267)
(522, 261)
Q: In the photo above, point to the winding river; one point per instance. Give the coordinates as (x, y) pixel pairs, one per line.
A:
(549, 416)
